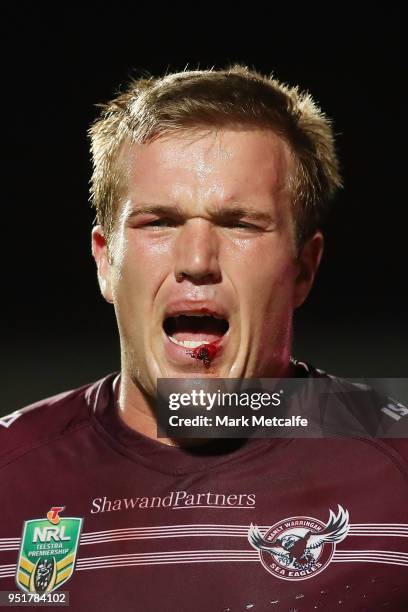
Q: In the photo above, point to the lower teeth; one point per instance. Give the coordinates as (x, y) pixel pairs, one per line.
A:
(187, 343)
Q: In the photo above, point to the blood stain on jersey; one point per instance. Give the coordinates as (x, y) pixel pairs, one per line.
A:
(299, 547)
(48, 552)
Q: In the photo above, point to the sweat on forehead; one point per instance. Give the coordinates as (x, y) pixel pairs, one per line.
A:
(213, 169)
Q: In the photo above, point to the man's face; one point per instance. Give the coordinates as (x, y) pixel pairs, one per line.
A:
(204, 252)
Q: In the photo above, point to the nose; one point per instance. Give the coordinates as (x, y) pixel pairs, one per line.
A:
(196, 253)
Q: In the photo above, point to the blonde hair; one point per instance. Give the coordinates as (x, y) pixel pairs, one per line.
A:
(153, 107)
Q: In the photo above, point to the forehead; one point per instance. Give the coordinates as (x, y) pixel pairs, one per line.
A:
(209, 164)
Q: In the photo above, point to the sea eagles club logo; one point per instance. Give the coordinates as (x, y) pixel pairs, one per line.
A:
(300, 547)
(47, 552)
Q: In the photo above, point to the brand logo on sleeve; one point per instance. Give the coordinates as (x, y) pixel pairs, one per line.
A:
(9, 419)
(299, 547)
(47, 552)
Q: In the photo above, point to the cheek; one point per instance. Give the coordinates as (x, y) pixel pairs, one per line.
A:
(263, 276)
(142, 267)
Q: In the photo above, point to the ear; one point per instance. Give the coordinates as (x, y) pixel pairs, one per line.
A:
(100, 253)
(308, 263)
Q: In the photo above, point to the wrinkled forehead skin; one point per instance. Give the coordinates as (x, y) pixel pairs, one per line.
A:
(219, 168)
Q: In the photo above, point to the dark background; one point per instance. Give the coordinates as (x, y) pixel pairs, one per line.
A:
(57, 332)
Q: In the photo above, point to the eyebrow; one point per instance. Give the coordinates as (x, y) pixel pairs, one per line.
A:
(154, 209)
(233, 211)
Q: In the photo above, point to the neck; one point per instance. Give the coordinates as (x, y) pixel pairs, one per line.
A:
(137, 409)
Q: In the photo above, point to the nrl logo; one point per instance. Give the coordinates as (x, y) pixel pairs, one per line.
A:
(47, 552)
(300, 547)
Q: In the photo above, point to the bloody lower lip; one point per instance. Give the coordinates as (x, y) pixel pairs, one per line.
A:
(206, 352)
(180, 355)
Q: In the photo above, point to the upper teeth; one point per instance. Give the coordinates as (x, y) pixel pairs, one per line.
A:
(187, 343)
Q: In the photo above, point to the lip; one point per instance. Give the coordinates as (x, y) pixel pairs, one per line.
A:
(215, 309)
(179, 355)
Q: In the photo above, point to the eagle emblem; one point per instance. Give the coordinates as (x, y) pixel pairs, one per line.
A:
(300, 547)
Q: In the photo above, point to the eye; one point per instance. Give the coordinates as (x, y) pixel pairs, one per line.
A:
(162, 222)
(241, 225)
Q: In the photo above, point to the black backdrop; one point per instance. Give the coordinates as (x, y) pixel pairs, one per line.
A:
(57, 332)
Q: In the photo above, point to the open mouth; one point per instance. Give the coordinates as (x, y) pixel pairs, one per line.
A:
(193, 330)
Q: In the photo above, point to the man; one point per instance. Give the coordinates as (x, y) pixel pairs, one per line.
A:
(210, 189)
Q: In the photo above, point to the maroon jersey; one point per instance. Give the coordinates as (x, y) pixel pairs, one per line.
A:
(262, 524)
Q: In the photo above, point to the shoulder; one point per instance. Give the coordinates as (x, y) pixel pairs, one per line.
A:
(367, 408)
(39, 423)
